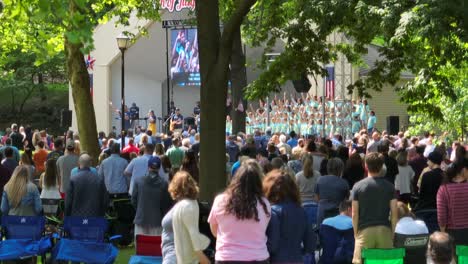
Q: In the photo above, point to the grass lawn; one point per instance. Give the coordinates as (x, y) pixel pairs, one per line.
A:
(124, 255)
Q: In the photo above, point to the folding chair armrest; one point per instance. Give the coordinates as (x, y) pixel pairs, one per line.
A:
(112, 238)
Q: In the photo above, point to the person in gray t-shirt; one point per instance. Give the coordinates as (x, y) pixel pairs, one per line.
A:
(373, 203)
(65, 164)
(331, 190)
(168, 249)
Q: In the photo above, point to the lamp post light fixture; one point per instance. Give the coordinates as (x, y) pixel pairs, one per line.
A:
(123, 42)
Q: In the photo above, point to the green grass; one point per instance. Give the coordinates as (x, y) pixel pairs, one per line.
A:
(124, 255)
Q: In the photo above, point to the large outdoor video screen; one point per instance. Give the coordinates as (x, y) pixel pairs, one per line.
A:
(185, 66)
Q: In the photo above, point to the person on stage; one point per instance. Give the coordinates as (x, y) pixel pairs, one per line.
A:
(177, 120)
(371, 122)
(152, 122)
(134, 115)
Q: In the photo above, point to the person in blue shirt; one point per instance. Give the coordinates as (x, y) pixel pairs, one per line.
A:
(293, 140)
(289, 234)
(371, 122)
(343, 221)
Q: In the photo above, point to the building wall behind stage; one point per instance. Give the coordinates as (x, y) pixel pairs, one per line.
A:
(386, 103)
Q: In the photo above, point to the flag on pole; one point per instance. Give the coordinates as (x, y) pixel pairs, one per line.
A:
(330, 83)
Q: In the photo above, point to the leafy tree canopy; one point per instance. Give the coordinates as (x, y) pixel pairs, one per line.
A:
(425, 37)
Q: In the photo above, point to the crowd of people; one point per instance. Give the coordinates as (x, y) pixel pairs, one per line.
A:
(375, 186)
(309, 116)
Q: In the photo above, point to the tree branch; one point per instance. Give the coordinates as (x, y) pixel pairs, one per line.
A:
(234, 23)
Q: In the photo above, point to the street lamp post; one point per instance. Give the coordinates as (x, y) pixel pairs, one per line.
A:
(123, 42)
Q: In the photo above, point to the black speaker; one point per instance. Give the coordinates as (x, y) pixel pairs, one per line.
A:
(189, 121)
(393, 125)
(66, 118)
(303, 84)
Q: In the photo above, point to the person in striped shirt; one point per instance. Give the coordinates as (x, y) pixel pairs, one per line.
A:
(452, 206)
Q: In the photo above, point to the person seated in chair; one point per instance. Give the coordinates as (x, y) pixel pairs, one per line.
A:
(441, 249)
(407, 223)
(343, 221)
(337, 236)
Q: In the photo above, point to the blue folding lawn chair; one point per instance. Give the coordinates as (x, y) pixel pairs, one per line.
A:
(24, 238)
(84, 241)
(337, 245)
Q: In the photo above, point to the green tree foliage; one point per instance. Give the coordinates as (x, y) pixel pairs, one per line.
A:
(425, 37)
(48, 27)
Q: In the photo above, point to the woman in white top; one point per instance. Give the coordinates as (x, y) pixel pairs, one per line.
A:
(189, 243)
(49, 186)
(307, 179)
(404, 177)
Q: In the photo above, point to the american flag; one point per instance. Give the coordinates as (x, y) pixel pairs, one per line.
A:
(330, 83)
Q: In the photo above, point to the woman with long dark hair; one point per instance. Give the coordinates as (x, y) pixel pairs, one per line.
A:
(49, 185)
(190, 165)
(288, 229)
(239, 219)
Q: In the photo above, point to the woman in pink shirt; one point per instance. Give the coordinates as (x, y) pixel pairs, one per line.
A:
(239, 219)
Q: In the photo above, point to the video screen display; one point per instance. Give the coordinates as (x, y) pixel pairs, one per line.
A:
(185, 65)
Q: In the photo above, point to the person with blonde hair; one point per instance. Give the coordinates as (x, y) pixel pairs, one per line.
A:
(180, 225)
(20, 196)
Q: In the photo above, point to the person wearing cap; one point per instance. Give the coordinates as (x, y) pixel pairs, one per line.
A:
(430, 182)
(112, 170)
(65, 165)
(86, 194)
(151, 200)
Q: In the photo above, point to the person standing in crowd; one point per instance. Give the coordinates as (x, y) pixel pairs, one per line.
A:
(20, 196)
(40, 158)
(181, 233)
(391, 164)
(25, 160)
(375, 143)
(288, 229)
(373, 201)
(295, 163)
(452, 206)
(86, 195)
(190, 165)
(16, 137)
(5, 175)
(65, 165)
(418, 164)
(430, 183)
(404, 177)
(440, 249)
(49, 185)
(331, 190)
(307, 179)
(232, 149)
(9, 162)
(16, 154)
(112, 171)
(58, 150)
(151, 200)
(138, 167)
(175, 154)
(131, 148)
(354, 170)
(243, 208)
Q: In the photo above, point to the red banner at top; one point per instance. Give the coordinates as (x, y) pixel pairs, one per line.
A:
(177, 5)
